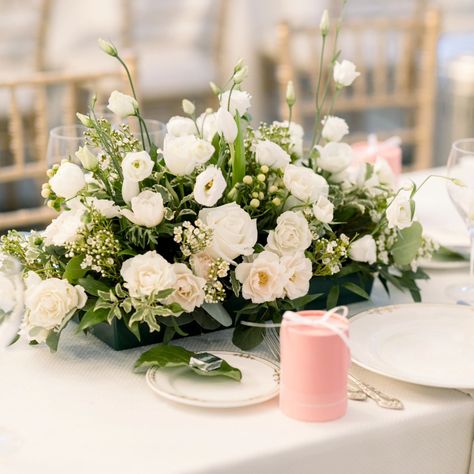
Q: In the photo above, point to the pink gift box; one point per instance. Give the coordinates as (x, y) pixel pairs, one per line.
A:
(314, 365)
(369, 152)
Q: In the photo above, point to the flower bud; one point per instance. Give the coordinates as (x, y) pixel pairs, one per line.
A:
(276, 201)
(290, 94)
(241, 74)
(188, 107)
(273, 189)
(107, 47)
(50, 173)
(88, 160)
(261, 195)
(45, 192)
(232, 194)
(215, 88)
(261, 177)
(265, 169)
(255, 194)
(324, 24)
(255, 203)
(85, 120)
(247, 179)
(240, 64)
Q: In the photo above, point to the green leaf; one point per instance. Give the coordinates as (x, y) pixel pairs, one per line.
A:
(235, 283)
(92, 286)
(163, 293)
(218, 312)
(246, 337)
(92, 317)
(444, 254)
(73, 271)
(238, 164)
(205, 321)
(407, 244)
(356, 289)
(333, 297)
(52, 340)
(302, 301)
(225, 370)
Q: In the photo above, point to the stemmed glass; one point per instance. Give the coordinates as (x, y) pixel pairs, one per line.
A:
(63, 143)
(460, 187)
(11, 314)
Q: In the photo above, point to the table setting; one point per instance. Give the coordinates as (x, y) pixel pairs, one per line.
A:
(215, 296)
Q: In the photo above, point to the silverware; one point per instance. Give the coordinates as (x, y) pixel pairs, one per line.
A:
(379, 397)
(356, 395)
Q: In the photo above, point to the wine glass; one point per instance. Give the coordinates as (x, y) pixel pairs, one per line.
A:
(63, 143)
(461, 191)
(11, 314)
(156, 131)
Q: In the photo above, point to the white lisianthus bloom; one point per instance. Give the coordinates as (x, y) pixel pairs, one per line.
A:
(345, 73)
(323, 210)
(291, 234)
(207, 124)
(299, 271)
(65, 228)
(106, 207)
(399, 215)
(177, 153)
(130, 189)
(210, 186)
(202, 151)
(226, 125)
(234, 233)
(180, 126)
(7, 295)
(137, 166)
(49, 302)
(334, 128)
(263, 279)
(147, 209)
(296, 136)
(363, 250)
(147, 273)
(188, 289)
(271, 154)
(68, 180)
(384, 172)
(304, 184)
(334, 157)
(88, 160)
(122, 105)
(239, 102)
(201, 264)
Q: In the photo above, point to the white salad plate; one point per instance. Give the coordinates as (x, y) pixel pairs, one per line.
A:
(260, 382)
(434, 264)
(426, 344)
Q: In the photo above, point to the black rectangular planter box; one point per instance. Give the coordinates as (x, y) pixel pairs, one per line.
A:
(118, 337)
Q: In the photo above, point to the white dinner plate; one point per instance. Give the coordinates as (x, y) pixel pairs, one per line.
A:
(260, 382)
(426, 344)
(434, 264)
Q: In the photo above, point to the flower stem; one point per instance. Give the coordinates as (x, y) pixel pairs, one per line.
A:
(318, 88)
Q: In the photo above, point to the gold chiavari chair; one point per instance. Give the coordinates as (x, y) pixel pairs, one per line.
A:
(397, 60)
(23, 155)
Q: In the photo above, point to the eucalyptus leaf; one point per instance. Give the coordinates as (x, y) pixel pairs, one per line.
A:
(218, 312)
(246, 337)
(407, 244)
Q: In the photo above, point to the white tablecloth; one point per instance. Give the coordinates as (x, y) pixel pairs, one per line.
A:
(84, 410)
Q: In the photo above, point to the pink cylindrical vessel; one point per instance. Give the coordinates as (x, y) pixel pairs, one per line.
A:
(365, 153)
(314, 365)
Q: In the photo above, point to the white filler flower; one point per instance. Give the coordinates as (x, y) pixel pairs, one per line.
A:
(210, 186)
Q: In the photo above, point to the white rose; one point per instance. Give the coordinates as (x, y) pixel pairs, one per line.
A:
(147, 273)
(210, 186)
(334, 128)
(207, 123)
(147, 209)
(263, 279)
(345, 73)
(7, 295)
(271, 154)
(177, 153)
(226, 125)
(323, 210)
(398, 213)
(180, 126)
(363, 250)
(239, 102)
(299, 272)
(105, 206)
(68, 180)
(202, 151)
(291, 234)
(49, 302)
(65, 228)
(201, 264)
(137, 166)
(188, 289)
(9, 265)
(122, 105)
(296, 136)
(334, 157)
(234, 232)
(304, 184)
(384, 172)
(88, 160)
(371, 184)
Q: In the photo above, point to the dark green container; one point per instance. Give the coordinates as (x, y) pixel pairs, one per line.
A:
(118, 337)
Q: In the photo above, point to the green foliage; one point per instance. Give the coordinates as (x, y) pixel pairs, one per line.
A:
(407, 245)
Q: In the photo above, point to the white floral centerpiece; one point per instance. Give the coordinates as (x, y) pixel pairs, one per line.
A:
(226, 221)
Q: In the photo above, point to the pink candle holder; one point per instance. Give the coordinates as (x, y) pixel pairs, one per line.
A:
(369, 152)
(315, 359)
